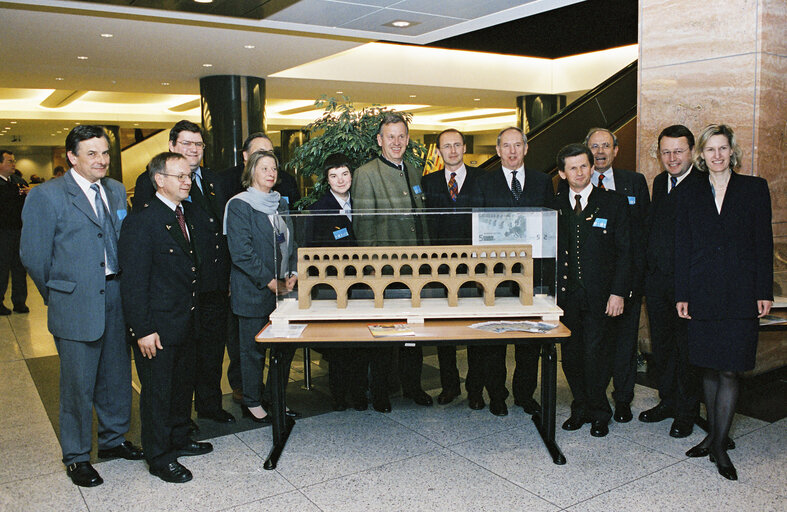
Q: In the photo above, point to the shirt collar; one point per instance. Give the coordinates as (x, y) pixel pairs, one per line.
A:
(166, 201)
(342, 202)
(391, 164)
(83, 183)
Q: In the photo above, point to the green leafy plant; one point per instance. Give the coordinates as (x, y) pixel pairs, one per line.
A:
(343, 129)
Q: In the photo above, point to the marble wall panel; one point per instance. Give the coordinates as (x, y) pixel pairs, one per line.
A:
(674, 31)
(696, 94)
(773, 27)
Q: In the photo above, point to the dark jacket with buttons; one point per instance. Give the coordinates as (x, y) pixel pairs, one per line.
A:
(159, 283)
(604, 247)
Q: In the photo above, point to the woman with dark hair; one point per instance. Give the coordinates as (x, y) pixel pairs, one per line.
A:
(261, 243)
(723, 279)
(331, 226)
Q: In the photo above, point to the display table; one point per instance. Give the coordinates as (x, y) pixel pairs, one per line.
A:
(431, 332)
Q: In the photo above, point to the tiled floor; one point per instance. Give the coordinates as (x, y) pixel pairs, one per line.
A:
(443, 458)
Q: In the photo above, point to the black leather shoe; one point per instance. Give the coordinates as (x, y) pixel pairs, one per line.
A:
(292, 413)
(125, 450)
(4, 311)
(193, 448)
(265, 420)
(698, 451)
(574, 422)
(528, 405)
(193, 427)
(174, 473)
(475, 402)
(420, 397)
(446, 397)
(681, 428)
(21, 309)
(83, 474)
(623, 413)
(498, 408)
(659, 413)
(381, 405)
(727, 472)
(599, 428)
(220, 416)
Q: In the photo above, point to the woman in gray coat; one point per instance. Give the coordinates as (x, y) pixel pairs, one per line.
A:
(260, 240)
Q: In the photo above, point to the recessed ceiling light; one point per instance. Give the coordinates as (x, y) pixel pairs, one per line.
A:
(412, 95)
(136, 124)
(339, 92)
(52, 134)
(476, 99)
(401, 23)
(207, 65)
(7, 127)
(249, 46)
(13, 122)
(204, 1)
(82, 57)
(59, 78)
(107, 35)
(164, 83)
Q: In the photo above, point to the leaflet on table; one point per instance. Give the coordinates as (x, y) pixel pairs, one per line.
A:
(537, 228)
(384, 330)
(287, 331)
(523, 326)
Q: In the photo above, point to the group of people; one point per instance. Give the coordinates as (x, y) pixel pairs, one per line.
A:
(199, 262)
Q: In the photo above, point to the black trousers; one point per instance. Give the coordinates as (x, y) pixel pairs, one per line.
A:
(678, 381)
(165, 400)
(211, 336)
(347, 373)
(625, 333)
(487, 369)
(449, 373)
(233, 352)
(586, 357)
(11, 263)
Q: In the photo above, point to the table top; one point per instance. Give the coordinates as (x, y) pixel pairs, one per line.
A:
(430, 331)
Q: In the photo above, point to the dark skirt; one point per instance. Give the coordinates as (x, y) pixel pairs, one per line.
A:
(727, 345)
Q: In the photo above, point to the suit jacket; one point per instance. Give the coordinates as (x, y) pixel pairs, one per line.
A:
(494, 191)
(11, 203)
(62, 249)
(605, 252)
(160, 268)
(209, 217)
(456, 228)
(660, 253)
(633, 186)
(286, 185)
(725, 259)
(255, 256)
(378, 186)
(320, 229)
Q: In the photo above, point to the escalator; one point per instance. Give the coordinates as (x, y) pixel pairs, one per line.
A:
(611, 105)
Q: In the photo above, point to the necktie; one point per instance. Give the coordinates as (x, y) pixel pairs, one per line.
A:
(198, 181)
(182, 221)
(453, 189)
(601, 182)
(578, 204)
(108, 231)
(516, 188)
(674, 182)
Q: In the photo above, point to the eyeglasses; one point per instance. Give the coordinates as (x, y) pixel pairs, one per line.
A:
(188, 144)
(678, 152)
(605, 145)
(182, 177)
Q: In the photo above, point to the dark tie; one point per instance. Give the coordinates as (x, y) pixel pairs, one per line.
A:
(578, 204)
(674, 182)
(453, 189)
(107, 229)
(601, 182)
(516, 188)
(182, 221)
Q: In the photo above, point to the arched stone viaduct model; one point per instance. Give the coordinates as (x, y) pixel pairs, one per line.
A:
(415, 267)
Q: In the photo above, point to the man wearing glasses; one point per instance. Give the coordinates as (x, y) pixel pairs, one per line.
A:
(207, 195)
(624, 329)
(158, 251)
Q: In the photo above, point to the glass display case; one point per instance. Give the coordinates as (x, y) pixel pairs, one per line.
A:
(412, 265)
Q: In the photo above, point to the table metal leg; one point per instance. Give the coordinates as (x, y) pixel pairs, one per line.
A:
(545, 420)
(307, 368)
(282, 424)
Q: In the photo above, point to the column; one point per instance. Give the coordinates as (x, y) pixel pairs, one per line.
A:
(533, 109)
(115, 163)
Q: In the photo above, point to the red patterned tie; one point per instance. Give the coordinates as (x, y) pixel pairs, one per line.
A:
(182, 221)
(452, 188)
(601, 182)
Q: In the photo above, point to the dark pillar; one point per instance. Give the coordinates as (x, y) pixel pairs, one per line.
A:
(115, 163)
(533, 109)
(232, 107)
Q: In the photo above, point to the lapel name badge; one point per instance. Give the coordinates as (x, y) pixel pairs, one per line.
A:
(600, 223)
(340, 233)
(417, 189)
(122, 214)
(632, 200)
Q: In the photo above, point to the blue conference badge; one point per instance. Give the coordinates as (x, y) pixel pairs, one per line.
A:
(417, 189)
(286, 199)
(279, 238)
(122, 214)
(632, 200)
(340, 233)
(600, 223)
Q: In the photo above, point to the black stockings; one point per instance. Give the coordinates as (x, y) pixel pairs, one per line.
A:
(721, 394)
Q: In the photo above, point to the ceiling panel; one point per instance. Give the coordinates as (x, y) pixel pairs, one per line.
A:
(466, 9)
(423, 23)
(322, 12)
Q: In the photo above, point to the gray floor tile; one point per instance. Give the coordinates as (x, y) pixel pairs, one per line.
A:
(29, 451)
(293, 501)
(683, 487)
(595, 465)
(53, 492)
(437, 480)
(761, 458)
(229, 476)
(9, 348)
(337, 444)
(19, 400)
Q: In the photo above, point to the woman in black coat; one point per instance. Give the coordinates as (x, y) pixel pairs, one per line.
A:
(723, 279)
(331, 226)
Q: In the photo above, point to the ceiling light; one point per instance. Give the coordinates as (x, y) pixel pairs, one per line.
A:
(339, 92)
(13, 122)
(59, 78)
(401, 23)
(77, 123)
(107, 35)
(204, 1)
(249, 46)
(164, 83)
(81, 57)
(207, 65)
(7, 127)
(412, 95)
(136, 124)
(476, 99)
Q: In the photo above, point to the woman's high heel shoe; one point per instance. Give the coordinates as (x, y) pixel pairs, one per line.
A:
(265, 420)
(699, 451)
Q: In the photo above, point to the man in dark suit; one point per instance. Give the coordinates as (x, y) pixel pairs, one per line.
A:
(595, 255)
(678, 383)
(625, 329)
(69, 246)
(511, 186)
(212, 298)
(12, 198)
(453, 190)
(158, 250)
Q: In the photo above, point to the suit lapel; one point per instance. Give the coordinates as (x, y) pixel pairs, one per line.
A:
(731, 196)
(590, 213)
(622, 185)
(79, 199)
(114, 206)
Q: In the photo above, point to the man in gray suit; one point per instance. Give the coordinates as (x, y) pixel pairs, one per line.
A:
(69, 247)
